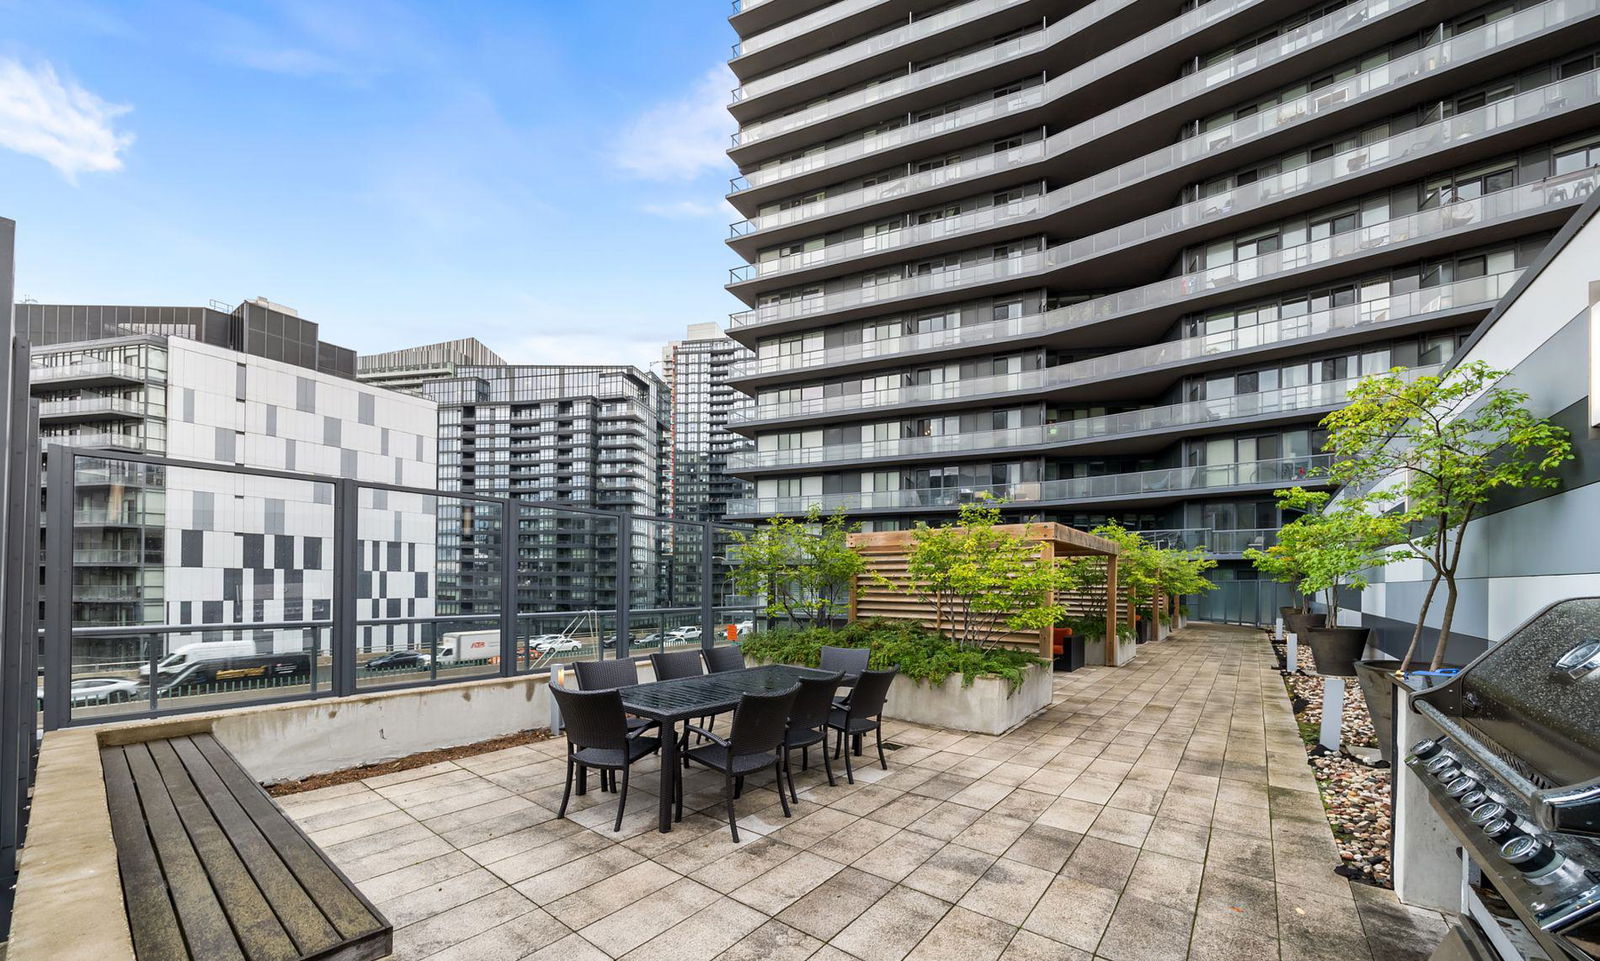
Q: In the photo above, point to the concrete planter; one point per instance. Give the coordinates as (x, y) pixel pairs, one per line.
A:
(1335, 650)
(989, 706)
(1095, 651)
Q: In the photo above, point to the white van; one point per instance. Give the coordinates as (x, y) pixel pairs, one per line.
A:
(187, 654)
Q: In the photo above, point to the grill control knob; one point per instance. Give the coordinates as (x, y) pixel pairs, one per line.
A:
(1442, 766)
(1529, 854)
(1502, 830)
(1475, 800)
(1461, 786)
(1492, 811)
(1426, 748)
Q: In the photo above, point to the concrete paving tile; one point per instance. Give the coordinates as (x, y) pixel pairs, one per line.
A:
(1120, 825)
(621, 931)
(1102, 863)
(454, 922)
(963, 935)
(906, 809)
(570, 948)
(1044, 847)
(1215, 939)
(509, 941)
(786, 883)
(1073, 912)
(564, 879)
(891, 927)
(1007, 891)
(828, 908)
(1166, 880)
(1070, 814)
(612, 893)
(900, 855)
(993, 833)
(703, 935)
(946, 821)
(1028, 946)
(413, 877)
(949, 872)
(1142, 930)
(773, 941)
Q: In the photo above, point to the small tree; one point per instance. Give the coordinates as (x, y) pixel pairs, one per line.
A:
(1179, 573)
(1138, 565)
(1333, 546)
(1430, 452)
(981, 580)
(805, 569)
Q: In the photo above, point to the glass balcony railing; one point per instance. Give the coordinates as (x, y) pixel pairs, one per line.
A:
(976, 113)
(1212, 412)
(123, 557)
(1401, 71)
(115, 517)
(87, 406)
(872, 46)
(1478, 291)
(1569, 94)
(1130, 54)
(799, 26)
(87, 370)
(1464, 293)
(94, 439)
(1213, 541)
(1285, 470)
(1516, 202)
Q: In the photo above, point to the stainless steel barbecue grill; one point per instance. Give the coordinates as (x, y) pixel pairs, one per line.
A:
(1516, 778)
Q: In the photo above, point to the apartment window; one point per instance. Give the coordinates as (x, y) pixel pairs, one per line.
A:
(1571, 158)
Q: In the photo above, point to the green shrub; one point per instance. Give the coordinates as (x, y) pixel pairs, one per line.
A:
(920, 653)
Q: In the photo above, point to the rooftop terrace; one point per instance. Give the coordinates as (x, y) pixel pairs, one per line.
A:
(1162, 810)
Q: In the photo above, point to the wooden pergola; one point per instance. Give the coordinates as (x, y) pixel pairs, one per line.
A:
(885, 553)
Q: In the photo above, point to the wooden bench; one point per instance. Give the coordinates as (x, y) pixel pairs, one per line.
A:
(213, 870)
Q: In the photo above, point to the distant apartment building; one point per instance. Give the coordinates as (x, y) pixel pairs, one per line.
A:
(408, 369)
(1115, 261)
(581, 439)
(696, 370)
(255, 387)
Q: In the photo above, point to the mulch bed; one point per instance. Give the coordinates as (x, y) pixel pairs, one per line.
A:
(406, 763)
(1356, 796)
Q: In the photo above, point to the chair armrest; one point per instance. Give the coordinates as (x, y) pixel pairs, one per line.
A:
(692, 729)
(652, 726)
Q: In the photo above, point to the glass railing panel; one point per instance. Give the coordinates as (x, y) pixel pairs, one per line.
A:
(1517, 201)
(1214, 541)
(1210, 412)
(1285, 470)
(800, 26)
(888, 40)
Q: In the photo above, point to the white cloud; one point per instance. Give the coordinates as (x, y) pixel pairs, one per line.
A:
(683, 138)
(58, 121)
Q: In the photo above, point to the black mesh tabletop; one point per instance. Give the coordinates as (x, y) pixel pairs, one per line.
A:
(711, 693)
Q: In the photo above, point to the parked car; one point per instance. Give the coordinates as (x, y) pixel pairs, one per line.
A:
(99, 690)
(399, 661)
(681, 634)
(649, 640)
(556, 644)
(744, 627)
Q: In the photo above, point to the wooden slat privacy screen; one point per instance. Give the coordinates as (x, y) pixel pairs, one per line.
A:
(885, 553)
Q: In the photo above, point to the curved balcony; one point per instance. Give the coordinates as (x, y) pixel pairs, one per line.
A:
(1544, 196)
(1171, 482)
(1474, 126)
(1180, 94)
(1216, 414)
(1478, 292)
(1448, 55)
(91, 408)
(954, 17)
(1217, 542)
(89, 374)
(784, 32)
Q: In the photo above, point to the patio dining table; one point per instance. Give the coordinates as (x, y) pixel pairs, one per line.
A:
(670, 702)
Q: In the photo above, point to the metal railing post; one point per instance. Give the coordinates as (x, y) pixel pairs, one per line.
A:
(708, 613)
(510, 539)
(624, 580)
(58, 588)
(346, 577)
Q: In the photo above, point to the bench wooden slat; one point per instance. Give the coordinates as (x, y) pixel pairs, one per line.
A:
(151, 917)
(259, 931)
(300, 915)
(350, 913)
(203, 920)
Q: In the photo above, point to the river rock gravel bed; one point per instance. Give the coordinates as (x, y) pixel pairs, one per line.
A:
(1355, 796)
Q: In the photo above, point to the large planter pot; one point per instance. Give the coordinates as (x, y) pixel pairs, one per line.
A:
(1335, 650)
(989, 706)
(1287, 612)
(1303, 622)
(1069, 649)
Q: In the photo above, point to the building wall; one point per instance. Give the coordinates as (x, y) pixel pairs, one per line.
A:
(1116, 263)
(1532, 548)
(696, 369)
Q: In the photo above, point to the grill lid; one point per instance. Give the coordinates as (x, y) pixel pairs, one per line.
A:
(1534, 698)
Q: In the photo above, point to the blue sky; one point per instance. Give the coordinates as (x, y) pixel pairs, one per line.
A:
(546, 175)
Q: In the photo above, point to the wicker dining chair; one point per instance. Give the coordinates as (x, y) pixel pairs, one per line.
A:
(720, 660)
(598, 737)
(603, 675)
(754, 742)
(863, 712)
(850, 661)
(670, 666)
(808, 725)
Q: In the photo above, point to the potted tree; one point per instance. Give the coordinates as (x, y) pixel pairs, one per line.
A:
(1334, 546)
(1284, 566)
(805, 569)
(1431, 451)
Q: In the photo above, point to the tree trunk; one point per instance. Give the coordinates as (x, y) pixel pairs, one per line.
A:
(1416, 633)
(1444, 623)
